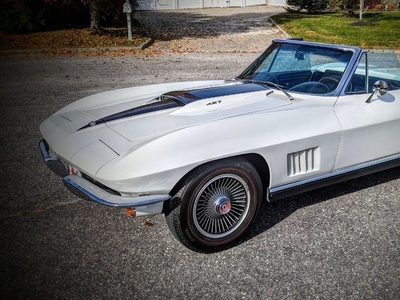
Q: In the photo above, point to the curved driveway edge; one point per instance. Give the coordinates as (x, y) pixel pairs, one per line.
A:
(244, 29)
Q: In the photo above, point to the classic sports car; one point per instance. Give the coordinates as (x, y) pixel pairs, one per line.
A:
(207, 153)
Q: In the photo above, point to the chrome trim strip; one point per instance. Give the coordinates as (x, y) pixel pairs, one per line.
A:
(99, 195)
(334, 175)
(46, 154)
(51, 159)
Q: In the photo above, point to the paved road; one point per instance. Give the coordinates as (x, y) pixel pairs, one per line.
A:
(246, 29)
(342, 242)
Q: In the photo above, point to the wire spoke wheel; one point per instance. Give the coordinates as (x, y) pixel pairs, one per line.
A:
(215, 205)
(221, 205)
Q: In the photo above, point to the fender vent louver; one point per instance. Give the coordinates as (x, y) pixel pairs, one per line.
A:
(303, 161)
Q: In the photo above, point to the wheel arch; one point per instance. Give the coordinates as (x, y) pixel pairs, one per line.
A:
(262, 167)
(258, 162)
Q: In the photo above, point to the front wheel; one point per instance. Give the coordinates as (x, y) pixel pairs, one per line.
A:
(216, 205)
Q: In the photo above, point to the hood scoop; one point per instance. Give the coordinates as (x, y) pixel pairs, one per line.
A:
(176, 99)
(229, 89)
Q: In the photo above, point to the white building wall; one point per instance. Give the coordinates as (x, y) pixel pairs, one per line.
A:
(214, 3)
(277, 2)
(146, 4)
(190, 4)
(256, 2)
(166, 4)
(233, 3)
(182, 4)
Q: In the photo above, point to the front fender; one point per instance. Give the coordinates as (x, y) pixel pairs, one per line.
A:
(158, 165)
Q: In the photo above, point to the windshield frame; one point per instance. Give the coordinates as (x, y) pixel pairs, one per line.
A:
(355, 53)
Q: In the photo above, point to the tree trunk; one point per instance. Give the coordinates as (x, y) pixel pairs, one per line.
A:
(95, 16)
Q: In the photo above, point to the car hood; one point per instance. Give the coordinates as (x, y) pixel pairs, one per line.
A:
(121, 120)
(142, 120)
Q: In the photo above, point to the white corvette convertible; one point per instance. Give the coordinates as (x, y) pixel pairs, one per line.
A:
(207, 153)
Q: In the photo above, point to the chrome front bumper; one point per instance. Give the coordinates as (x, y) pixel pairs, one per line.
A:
(51, 159)
(85, 189)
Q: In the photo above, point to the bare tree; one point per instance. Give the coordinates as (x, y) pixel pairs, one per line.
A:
(94, 15)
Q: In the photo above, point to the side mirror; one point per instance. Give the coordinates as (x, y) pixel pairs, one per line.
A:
(380, 87)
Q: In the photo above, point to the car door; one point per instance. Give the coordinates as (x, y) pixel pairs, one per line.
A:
(370, 129)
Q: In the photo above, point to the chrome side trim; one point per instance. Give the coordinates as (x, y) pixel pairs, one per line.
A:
(87, 190)
(51, 159)
(337, 176)
(47, 155)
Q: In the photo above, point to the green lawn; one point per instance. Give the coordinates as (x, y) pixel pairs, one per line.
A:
(382, 29)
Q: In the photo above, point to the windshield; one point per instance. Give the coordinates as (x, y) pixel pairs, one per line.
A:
(300, 67)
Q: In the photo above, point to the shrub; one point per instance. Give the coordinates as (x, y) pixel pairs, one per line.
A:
(311, 6)
(391, 6)
(21, 16)
(15, 17)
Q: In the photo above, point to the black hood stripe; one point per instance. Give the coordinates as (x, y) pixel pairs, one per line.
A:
(216, 91)
(165, 103)
(180, 98)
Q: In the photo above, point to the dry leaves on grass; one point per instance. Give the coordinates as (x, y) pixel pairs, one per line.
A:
(70, 38)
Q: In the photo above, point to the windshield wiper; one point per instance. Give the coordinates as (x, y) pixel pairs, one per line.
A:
(279, 87)
(270, 83)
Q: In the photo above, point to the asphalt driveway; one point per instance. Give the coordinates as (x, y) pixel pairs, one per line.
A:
(341, 242)
(213, 30)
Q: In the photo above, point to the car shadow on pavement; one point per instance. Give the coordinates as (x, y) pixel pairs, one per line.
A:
(273, 213)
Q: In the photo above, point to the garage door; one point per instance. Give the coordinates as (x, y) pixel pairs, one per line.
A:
(146, 5)
(277, 2)
(190, 4)
(257, 2)
(182, 4)
(165, 4)
(215, 3)
(233, 3)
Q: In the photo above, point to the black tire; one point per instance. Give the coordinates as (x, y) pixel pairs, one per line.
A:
(216, 205)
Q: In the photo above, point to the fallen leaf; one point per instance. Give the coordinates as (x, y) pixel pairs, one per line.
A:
(130, 212)
(147, 224)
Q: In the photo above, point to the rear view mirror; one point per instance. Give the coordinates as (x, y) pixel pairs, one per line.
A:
(300, 55)
(380, 87)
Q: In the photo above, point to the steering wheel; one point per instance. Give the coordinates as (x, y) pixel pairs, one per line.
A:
(312, 87)
(265, 76)
(331, 81)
